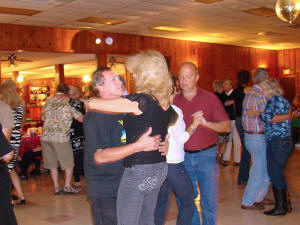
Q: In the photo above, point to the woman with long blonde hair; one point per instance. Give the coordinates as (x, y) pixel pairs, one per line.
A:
(9, 94)
(149, 107)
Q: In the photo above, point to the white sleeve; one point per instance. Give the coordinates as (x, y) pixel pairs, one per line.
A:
(178, 129)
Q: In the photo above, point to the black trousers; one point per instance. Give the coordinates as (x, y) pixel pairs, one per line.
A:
(28, 158)
(7, 215)
(78, 165)
(104, 210)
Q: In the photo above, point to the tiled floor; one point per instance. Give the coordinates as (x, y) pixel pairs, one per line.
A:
(44, 208)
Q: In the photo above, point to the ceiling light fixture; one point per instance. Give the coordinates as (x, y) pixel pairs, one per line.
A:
(170, 29)
(98, 41)
(287, 10)
(109, 40)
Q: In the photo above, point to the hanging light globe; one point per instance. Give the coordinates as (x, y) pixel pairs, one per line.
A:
(287, 10)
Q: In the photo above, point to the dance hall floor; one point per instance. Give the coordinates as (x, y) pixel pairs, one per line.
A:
(44, 208)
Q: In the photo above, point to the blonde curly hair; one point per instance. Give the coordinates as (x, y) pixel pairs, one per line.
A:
(151, 75)
(9, 94)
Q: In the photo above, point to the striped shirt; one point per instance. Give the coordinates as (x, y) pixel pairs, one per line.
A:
(254, 100)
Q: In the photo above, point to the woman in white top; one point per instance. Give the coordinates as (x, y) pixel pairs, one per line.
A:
(177, 177)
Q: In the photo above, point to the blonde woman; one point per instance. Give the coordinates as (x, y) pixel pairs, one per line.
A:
(11, 97)
(149, 107)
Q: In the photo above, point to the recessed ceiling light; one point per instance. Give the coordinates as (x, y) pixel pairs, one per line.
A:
(99, 20)
(170, 29)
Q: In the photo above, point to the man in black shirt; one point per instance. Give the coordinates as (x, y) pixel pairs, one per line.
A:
(106, 132)
(233, 136)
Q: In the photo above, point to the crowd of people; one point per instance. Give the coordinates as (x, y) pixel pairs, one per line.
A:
(133, 149)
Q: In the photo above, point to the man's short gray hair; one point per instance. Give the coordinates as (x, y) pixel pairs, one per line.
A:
(98, 78)
(260, 75)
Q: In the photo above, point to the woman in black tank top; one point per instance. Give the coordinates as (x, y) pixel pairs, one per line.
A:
(145, 170)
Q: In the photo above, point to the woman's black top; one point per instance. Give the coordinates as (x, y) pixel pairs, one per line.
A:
(238, 97)
(135, 125)
(76, 130)
(4, 148)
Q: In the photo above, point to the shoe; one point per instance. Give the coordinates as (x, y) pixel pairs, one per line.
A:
(23, 177)
(70, 190)
(14, 197)
(21, 200)
(57, 190)
(280, 203)
(255, 206)
(267, 201)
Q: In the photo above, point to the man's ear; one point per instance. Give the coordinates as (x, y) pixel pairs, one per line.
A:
(197, 77)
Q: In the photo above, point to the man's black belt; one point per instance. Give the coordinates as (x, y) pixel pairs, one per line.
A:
(201, 150)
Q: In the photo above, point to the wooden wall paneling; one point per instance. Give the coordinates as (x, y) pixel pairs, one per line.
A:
(297, 60)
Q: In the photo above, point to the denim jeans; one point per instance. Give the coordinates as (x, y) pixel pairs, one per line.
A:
(257, 186)
(138, 192)
(246, 157)
(180, 183)
(203, 170)
(278, 151)
(104, 210)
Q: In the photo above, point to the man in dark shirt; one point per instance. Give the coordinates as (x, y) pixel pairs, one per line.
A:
(233, 135)
(106, 132)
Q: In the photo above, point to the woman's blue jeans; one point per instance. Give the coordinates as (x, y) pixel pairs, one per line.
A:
(278, 151)
(180, 183)
(138, 192)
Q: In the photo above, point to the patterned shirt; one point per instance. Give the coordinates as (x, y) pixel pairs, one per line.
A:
(275, 106)
(57, 115)
(254, 100)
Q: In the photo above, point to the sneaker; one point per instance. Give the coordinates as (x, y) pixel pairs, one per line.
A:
(70, 190)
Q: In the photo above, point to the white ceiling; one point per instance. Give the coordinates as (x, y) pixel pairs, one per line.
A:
(220, 22)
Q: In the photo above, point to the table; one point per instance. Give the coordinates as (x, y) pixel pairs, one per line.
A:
(28, 143)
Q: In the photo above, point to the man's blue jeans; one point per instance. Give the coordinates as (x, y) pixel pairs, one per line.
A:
(178, 180)
(258, 182)
(203, 170)
(278, 151)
